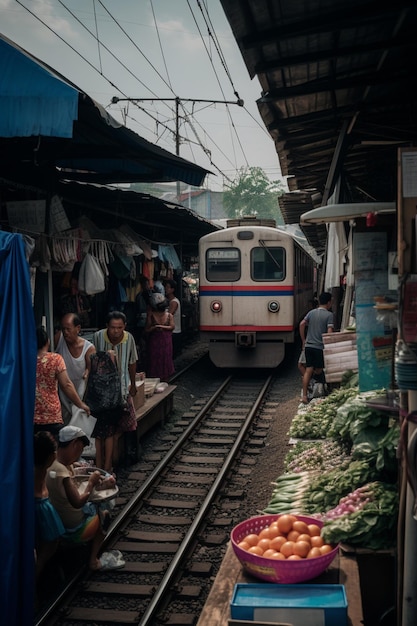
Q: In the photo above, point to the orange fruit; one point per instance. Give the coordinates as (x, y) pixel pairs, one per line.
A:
(278, 556)
(277, 542)
(270, 553)
(243, 545)
(273, 530)
(300, 526)
(294, 557)
(287, 548)
(304, 537)
(325, 549)
(293, 535)
(264, 533)
(264, 544)
(314, 530)
(314, 552)
(302, 548)
(252, 539)
(316, 542)
(256, 550)
(285, 523)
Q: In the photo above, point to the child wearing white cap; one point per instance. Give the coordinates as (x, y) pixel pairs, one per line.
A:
(81, 519)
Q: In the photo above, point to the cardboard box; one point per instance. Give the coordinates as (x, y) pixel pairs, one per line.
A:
(337, 337)
(299, 605)
(340, 355)
(139, 398)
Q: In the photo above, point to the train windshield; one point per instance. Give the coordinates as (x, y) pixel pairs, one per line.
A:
(268, 263)
(223, 264)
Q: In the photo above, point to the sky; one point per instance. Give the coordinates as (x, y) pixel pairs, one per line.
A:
(159, 50)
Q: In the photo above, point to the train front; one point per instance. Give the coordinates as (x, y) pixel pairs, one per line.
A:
(247, 287)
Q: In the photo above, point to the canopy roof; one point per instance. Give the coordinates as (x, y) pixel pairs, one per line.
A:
(155, 220)
(109, 207)
(50, 128)
(344, 212)
(338, 86)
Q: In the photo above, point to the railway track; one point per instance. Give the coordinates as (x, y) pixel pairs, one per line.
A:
(173, 517)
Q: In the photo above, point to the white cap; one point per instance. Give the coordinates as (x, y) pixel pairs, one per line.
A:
(69, 433)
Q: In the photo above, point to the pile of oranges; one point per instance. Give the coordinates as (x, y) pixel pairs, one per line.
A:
(287, 538)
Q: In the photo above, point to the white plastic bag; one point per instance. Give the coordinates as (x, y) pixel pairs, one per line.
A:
(91, 277)
(86, 423)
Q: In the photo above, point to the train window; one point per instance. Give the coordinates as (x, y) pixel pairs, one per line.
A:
(223, 264)
(268, 263)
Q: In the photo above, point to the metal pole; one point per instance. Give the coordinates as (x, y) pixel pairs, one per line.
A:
(177, 139)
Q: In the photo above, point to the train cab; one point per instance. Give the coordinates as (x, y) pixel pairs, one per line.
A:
(255, 284)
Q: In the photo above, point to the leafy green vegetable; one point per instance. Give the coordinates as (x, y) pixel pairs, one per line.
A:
(326, 489)
(373, 527)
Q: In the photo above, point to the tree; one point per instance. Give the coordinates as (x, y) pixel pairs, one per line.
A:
(252, 193)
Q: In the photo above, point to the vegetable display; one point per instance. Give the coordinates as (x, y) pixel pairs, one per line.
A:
(316, 455)
(288, 493)
(313, 420)
(342, 469)
(371, 524)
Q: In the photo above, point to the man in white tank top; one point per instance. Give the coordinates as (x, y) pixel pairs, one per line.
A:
(175, 310)
(76, 353)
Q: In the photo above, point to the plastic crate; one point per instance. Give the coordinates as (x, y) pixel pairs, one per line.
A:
(299, 605)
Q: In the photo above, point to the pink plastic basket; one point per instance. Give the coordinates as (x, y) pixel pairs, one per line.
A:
(271, 570)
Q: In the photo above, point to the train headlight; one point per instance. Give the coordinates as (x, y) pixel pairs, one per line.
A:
(216, 306)
(273, 306)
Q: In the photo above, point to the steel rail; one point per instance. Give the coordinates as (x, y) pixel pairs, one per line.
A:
(189, 536)
(139, 495)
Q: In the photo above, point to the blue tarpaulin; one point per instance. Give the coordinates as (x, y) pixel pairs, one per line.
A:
(33, 100)
(17, 401)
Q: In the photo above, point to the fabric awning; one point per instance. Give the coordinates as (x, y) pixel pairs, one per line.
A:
(33, 100)
(50, 129)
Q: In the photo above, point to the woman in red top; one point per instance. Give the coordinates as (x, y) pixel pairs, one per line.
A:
(51, 371)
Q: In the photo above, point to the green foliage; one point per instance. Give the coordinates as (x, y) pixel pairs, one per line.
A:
(252, 193)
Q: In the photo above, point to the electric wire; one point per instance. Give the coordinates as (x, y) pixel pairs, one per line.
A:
(98, 42)
(138, 49)
(217, 77)
(158, 122)
(160, 45)
(110, 82)
(205, 150)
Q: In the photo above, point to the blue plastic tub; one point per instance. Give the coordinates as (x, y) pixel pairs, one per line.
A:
(298, 605)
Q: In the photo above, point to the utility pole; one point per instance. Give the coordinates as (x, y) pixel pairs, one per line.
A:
(177, 101)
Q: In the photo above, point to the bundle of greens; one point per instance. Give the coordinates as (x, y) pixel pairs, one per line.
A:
(365, 518)
(313, 420)
(325, 490)
(316, 455)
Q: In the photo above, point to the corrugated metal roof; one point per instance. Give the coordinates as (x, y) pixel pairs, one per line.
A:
(337, 82)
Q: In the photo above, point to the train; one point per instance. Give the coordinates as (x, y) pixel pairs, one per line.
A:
(256, 282)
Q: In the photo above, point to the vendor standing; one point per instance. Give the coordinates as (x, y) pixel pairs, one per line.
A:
(174, 307)
(116, 339)
(76, 352)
